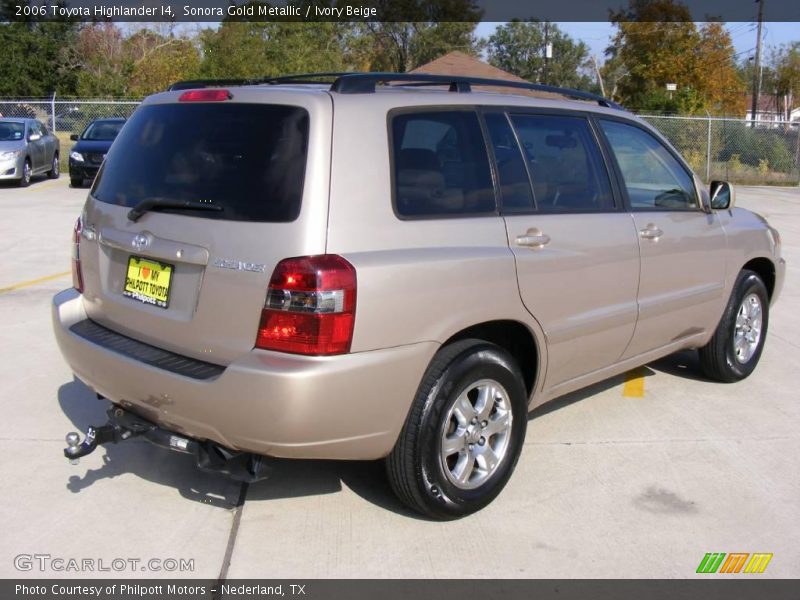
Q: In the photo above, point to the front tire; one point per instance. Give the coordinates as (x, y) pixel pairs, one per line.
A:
(76, 183)
(735, 349)
(25, 180)
(464, 432)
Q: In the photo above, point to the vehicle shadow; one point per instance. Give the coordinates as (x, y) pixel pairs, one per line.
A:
(288, 478)
(139, 457)
(684, 364)
(12, 183)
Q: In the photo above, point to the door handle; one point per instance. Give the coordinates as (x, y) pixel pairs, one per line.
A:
(651, 232)
(533, 238)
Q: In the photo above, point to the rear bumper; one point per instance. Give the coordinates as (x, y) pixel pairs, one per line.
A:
(341, 407)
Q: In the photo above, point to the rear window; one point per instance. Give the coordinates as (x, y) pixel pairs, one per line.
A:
(247, 158)
(441, 167)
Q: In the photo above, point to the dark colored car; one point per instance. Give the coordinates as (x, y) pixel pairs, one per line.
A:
(93, 144)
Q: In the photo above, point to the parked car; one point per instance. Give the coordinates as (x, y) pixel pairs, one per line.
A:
(371, 270)
(27, 148)
(93, 144)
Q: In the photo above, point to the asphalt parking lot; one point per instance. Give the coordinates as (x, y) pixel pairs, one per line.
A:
(612, 483)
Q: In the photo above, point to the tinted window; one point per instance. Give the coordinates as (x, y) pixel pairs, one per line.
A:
(567, 170)
(653, 177)
(440, 164)
(248, 158)
(515, 187)
(10, 131)
(102, 131)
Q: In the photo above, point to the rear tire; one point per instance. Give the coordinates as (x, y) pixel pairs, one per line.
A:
(735, 349)
(55, 168)
(463, 434)
(25, 180)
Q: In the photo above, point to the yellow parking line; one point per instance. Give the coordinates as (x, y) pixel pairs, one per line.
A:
(23, 284)
(634, 384)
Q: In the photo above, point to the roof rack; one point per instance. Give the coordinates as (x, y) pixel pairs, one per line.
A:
(366, 83)
(300, 78)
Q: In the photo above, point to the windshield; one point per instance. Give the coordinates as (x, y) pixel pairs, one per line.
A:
(102, 131)
(10, 132)
(247, 158)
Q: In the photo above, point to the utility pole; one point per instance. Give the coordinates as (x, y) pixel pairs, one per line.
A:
(757, 70)
(547, 50)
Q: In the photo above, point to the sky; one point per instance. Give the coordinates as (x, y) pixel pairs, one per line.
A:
(596, 35)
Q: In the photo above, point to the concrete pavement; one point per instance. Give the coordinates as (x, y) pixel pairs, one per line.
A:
(607, 486)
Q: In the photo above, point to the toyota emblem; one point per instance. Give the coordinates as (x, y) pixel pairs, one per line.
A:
(140, 241)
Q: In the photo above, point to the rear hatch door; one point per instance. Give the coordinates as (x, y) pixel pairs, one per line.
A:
(253, 170)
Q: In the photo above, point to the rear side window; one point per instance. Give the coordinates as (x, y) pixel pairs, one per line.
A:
(249, 159)
(653, 177)
(566, 167)
(441, 166)
(515, 187)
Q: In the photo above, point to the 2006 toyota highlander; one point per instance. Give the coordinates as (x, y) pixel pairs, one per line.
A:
(394, 267)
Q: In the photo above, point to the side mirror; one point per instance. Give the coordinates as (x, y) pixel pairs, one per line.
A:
(723, 196)
(74, 137)
(34, 137)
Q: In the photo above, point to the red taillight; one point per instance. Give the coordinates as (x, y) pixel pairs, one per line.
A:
(205, 96)
(77, 274)
(310, 307)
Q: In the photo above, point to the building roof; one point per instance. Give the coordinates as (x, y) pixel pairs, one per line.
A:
(464, 65)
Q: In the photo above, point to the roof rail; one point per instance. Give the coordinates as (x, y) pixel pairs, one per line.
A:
(300, 78)
(366, 83)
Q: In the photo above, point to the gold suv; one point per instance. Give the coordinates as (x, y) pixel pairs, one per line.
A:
(398, 267)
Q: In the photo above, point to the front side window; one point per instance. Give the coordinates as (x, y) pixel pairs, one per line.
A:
(441, 167)
(653, 177)
(567, 170)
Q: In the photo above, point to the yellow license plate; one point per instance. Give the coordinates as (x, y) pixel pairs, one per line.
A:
(148, 281)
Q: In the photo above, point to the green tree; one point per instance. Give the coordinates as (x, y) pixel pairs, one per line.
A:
(35, 57)
(104, 63)
(786, 63)
(519, 47)
(401, 47)
(260, 49)
(657, 43)
(159, 59)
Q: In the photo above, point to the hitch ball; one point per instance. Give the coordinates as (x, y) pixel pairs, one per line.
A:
(73, 441)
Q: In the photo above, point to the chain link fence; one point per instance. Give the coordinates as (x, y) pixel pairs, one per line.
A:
(66, 116)
(716, 148)
(734, 150)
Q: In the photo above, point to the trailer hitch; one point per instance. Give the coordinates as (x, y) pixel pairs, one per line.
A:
(120, 427)
(210, 456)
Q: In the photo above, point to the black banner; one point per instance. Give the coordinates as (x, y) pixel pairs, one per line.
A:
(737, 588)
(376, 10)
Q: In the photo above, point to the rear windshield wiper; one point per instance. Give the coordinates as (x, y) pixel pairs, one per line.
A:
(149, 204)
